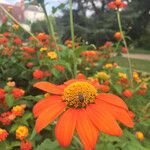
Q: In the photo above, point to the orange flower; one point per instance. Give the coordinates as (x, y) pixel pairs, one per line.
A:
(38, 74)
(118, 36)
(127, 93)
(139, 135)
(3, 134)
(18, 93)
(18, 110)
(82, 108)
(116, 4)
(11, 83)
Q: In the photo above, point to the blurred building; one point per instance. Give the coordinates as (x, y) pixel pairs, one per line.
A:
(26, 15)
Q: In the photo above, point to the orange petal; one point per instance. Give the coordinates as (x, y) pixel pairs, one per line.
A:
(118, 113)
(44, 104)
(49, 87)
(65, 127)
(103, 120)
(112, 99)
(87, 132)
(48, 115)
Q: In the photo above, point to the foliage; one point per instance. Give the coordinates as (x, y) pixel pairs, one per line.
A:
(43, 57)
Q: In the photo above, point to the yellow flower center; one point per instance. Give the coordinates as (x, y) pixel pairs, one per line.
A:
(79, 94)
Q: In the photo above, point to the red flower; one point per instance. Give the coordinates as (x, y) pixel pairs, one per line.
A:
(6, 118)
(47, 74)
(127, 93)
(80, 107)
(42, 36)
(3, 134)
(17, 41)
(29, 64)
(116, 4)
(3, 40)
(26, 145)
(124, 50)
(38, 74)
(59, 68)
(17, 93)
(2, 94)
(28, 49)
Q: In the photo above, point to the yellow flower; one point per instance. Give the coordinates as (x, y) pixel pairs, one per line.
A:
(18, 110)
(52, 55)
(139, 135)
(102, 75)
(22, 132)
(43, 49)
(108, 66)
(122, 75)
(15, 26)
(135, 75)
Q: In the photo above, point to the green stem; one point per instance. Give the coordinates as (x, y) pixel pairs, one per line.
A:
(125, 44)
(10, 16)
(73, 39)
(50, 25)
(33, 134)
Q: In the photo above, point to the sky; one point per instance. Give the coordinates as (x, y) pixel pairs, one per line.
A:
(49, 3)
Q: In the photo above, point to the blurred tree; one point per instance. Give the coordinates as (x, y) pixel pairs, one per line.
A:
(96, 24)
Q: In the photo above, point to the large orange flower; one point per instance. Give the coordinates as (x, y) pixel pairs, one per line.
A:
(80, 108)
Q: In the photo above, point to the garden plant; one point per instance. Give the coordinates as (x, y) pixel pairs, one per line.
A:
(70, 95)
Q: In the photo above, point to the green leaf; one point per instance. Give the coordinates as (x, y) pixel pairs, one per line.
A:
(48, 145)
(9, 99)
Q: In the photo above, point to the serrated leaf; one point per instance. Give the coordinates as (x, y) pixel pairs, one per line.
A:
(47, 145)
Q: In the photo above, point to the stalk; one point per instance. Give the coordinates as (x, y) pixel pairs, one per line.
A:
(125, 44)
(73, 40)
(49, 24)
(10, 16)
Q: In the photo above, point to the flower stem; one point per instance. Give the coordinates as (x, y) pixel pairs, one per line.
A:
(10, 16)
(49, 24)
(73, 39)
(125, 44)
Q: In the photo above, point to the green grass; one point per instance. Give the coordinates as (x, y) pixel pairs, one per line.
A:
(137, 64)
(139, 51)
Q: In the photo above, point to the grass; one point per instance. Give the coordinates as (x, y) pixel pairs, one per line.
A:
(139, 51)
(137, 64)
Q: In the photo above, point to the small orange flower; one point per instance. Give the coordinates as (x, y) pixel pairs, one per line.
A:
(116, 4)
(18, 110)
(80, 107)
(3, 134)
(118, 36)
(22, 132)
(11, 83)
(26, 145)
